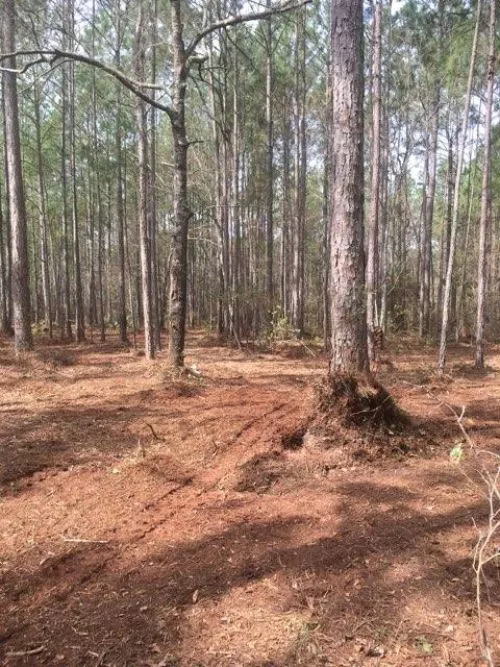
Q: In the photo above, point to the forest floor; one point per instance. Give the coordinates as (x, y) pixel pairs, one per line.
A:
(153, 521)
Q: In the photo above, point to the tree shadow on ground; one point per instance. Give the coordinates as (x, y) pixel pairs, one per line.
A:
(97, 431)
(61, 438)
(484, 410)
(354, 580)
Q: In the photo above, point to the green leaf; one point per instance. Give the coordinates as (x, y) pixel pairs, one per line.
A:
(424, 645)
(457, 453)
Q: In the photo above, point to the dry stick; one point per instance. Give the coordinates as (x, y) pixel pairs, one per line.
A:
(283, 8)
(20, 654)
(308, 349)
(81, 540)
(153, 432)
(100, 659)
(481, 556)
(480, 560)
(51, 56)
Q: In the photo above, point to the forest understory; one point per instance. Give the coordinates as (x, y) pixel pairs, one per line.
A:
(149, 520)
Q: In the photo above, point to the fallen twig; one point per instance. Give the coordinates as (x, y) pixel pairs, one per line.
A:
(100, 657)
(20, 654)
(153, 432)
(307, 348)
(82, 540)
(485, 550)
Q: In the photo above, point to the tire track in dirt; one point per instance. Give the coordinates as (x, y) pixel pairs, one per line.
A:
(260, 435)
(264, 428)
(99, 559)
(77, 573)
(78, 570)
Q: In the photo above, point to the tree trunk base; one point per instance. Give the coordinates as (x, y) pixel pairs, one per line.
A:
(359, 402)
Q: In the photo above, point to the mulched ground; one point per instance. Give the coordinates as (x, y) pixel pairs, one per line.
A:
(154, 521)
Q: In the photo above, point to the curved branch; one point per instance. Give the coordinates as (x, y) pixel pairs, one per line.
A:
(287, 6)
(52, 55)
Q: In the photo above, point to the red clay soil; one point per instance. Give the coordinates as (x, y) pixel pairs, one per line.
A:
(151, 521)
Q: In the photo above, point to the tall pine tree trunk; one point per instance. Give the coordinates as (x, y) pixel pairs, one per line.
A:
(485, 220)
(8, 227)
(120, 213)
(67, 330)
(79, 307)
(144, 228)
(153, 216)
(348, 311)
(4, 287)
(269, 169)
(178, 267)
(19, 239)
(235, 208)
(43, 224)
(298, 287)
(428, 215)
(456, 200)
(373, 237)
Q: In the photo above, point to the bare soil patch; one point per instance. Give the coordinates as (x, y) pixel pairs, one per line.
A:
(147, 520)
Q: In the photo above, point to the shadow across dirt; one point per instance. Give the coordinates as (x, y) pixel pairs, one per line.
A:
(484, 410)
(375, 563)
(469, 371)
(161, 562)
(65, 437)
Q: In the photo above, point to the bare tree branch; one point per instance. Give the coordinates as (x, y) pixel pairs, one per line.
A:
(283, 8)
(52, 55)
(25, 67)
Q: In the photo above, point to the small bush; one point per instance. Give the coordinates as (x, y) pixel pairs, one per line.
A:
(281, 328)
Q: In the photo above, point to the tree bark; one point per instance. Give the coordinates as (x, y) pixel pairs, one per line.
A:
(235, 209)
(144, 228)
(67, 329)
(122, 304)
(456, 201)
(178, 268)
(298, 287)
(100, 228)
(373, 246)
(153, 216)
(269, 169)
(325, 210)
(100, 216)
(427, 223)
(286, 231)
(348, 313)
(485, 219)
(19, 240)
(6, 246)
(43, 224)
(79, 307)
(4, 287)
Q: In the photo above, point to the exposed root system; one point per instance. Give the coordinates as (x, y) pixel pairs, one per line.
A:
(359, 401)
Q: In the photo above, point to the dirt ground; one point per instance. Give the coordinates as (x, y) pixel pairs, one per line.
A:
(152, 521)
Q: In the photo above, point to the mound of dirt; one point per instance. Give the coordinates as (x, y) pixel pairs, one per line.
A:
(357, 419)
(260, 473)
(360, 402)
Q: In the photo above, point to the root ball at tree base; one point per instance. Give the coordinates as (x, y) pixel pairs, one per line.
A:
(358, 401)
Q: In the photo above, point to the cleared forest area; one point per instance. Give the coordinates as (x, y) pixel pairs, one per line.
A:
(148, 520)
(249, 333)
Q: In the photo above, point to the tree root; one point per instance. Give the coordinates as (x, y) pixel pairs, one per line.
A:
(358, 402)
